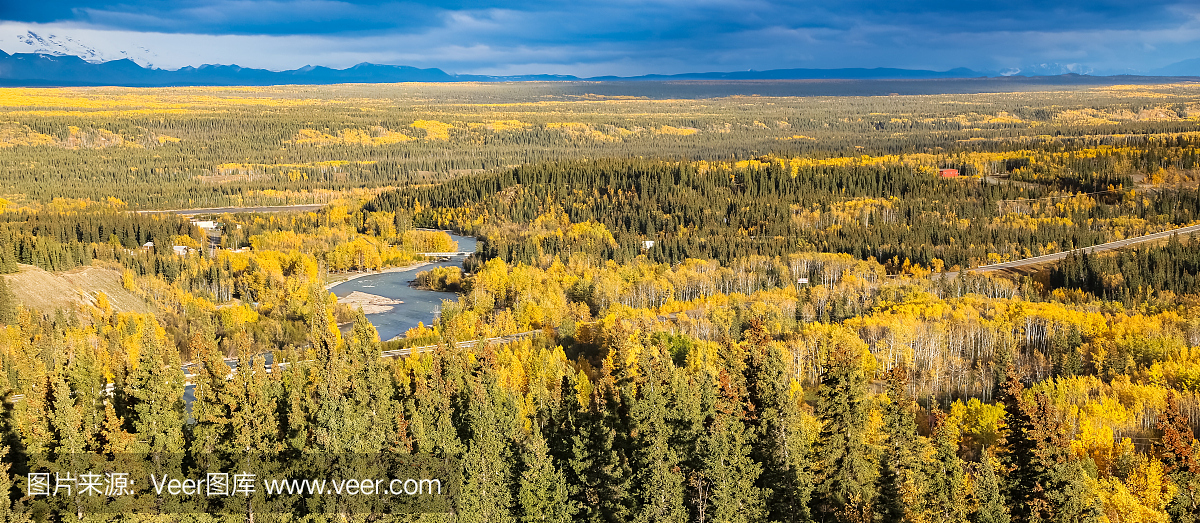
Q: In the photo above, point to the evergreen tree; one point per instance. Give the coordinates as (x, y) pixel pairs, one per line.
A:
(157, 408)
(731, 472)
(542, 494)
(988, 497)
(488, 423)
(1022, 471)
(211, 400)
(902, 478)
(88, 383)
(947, 481)
(373, 407)
(30, 420)
(599, 463)
(157, 395)
(298, 397)
(8, 302)
(692, 409)
(254, 424)
(429, 404)
(114, 439)
(783, 448)
(1066, 483)
(10, 511)
(561, 431)
(845, 477)
(8, 259)
(402, 221)
(889, 502)
(334, 428)
(1044, 482)
(657, 483)
(66, 419)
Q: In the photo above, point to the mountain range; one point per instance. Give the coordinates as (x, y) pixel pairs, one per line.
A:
(40, 69)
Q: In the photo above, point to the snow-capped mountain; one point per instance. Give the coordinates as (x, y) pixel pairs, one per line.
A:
(61, 45)
(1047, 69)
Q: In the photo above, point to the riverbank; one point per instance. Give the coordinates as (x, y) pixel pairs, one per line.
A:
(369, 303)
(345, 277)
(394, 283)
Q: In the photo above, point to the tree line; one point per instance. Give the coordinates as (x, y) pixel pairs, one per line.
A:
(891, 213)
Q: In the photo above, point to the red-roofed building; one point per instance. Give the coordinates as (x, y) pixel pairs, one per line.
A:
(948, 173)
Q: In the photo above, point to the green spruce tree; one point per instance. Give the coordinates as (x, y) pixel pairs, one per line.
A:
(732, 473)
(542, 494)
(66, 419)
(8, 303)
(10, 511)
(211, 401)
(845, 476)
(334, 428)
(782, 446)
(599, 464)
(489, 417)
(1044, 482)
(658, 483)
(946, 497)
(902, 479)
(990, 505)
(1021, 469)
(372, 406)
(157, 394)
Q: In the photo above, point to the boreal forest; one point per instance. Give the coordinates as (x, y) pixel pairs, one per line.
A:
(735, 306)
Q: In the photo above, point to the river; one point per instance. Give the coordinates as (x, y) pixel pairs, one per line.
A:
(419, 305)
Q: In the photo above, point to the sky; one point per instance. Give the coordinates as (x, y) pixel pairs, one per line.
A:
(616, 37)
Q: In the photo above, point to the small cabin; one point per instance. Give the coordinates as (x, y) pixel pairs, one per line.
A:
(948, 173)
(648, 244)
(182, 250)
(206, 224)
(149, 246)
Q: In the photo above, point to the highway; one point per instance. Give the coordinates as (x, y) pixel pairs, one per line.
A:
(462, 344)
(1182, 231)
(190, 369)
(230, 210)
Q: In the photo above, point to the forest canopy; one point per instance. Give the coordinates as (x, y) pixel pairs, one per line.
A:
(732, 309)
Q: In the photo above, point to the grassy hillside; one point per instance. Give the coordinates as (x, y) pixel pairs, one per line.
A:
(69, 291)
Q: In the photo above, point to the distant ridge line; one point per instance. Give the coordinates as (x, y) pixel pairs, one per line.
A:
(47, 70)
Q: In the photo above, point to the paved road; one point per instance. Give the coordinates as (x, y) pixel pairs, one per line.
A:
(462, 344)
(224, 210)
(1182, 231)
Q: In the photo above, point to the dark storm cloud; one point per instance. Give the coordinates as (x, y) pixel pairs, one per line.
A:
(649, 20)
(272, 17)
(679, 35)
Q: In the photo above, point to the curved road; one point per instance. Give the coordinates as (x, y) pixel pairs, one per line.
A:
(1183, 231)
